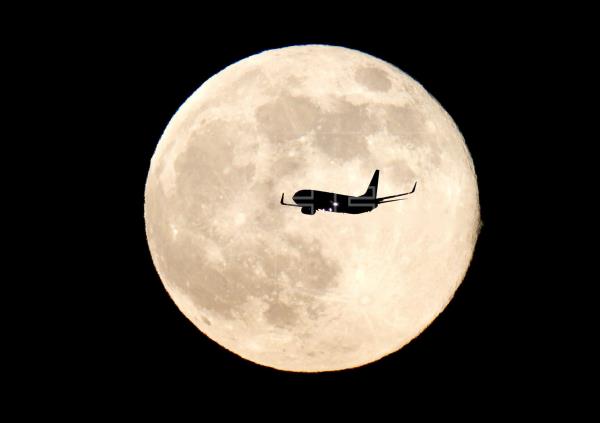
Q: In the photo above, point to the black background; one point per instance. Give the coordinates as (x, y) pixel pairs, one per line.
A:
(119, 328)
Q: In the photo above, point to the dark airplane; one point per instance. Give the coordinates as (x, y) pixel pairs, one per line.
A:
(310, 200)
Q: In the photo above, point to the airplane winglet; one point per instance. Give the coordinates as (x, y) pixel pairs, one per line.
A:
(283, 203)
(380, 200)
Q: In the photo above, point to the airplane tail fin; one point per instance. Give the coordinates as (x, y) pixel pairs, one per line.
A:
(372, 189)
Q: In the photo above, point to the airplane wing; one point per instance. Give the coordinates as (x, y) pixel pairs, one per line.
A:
(287, 204)
(391, 201)
(380, 200)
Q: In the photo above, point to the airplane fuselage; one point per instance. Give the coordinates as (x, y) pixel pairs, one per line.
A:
(312, 200)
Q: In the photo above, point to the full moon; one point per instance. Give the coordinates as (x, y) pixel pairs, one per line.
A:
(293, 291)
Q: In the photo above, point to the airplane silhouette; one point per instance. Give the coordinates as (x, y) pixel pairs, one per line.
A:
(311, 200)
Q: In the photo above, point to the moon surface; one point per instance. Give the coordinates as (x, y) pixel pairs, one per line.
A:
(293, 291)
